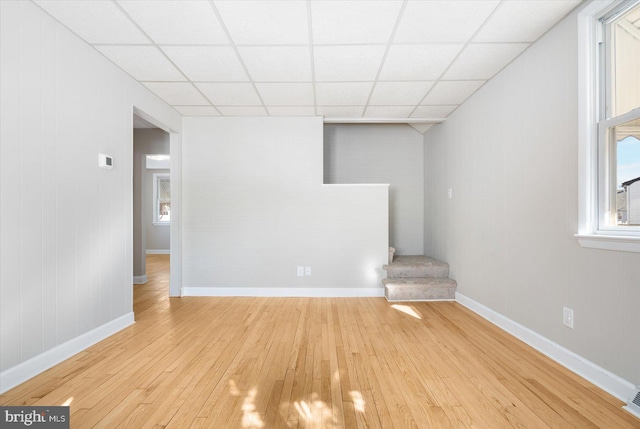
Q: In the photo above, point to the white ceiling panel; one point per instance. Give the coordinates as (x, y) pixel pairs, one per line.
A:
(483, 61)
(265, 22)
(177, 93)
(343, 93)
(347, 63)
(230, 94)
(523, 20)
(243, 110)
(340, 111)
(283, 94)
(388, 111)
(351, 22)
(433, 111)
(207, 63)
(277, 63)
(197, 110)
(418, 62)
(399, 93)
(291, 110)
(144, 63)
(98, 21)
(177, 22)
(442, 21)
(452, 92)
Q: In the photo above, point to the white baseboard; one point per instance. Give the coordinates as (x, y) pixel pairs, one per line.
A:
(607, 381)
(140, 280)
(315, 292)
(158, 252)
(20, 373)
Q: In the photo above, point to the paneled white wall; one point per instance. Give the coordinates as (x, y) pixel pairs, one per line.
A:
(65, 224)
(510, 154)
(383, 153)
(255, 208)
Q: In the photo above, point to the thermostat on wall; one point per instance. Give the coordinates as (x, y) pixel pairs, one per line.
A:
(105, 161)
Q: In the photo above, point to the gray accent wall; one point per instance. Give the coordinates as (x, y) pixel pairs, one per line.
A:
(147, 141)
(382, 153)
(510, 155)
(65, 224)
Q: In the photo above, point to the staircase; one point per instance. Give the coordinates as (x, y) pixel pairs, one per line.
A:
(418, 278)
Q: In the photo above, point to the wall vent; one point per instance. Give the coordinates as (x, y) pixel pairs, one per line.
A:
(633, 406)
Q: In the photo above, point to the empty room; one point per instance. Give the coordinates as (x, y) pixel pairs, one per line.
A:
(320, 213)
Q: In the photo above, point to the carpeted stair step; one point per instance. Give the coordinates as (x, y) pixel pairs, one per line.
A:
(419, 289)
(416, 266)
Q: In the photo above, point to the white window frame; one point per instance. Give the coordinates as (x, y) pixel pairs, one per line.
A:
(593, 228)
(156, 177)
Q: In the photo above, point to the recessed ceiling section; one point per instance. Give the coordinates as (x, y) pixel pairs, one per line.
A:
(265, 22)
(353, 22)
(169, 22)
(364, 60)
(98, 21)
(144, 63)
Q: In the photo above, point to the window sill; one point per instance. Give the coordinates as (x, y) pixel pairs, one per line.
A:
(162, 223)
(609, 242)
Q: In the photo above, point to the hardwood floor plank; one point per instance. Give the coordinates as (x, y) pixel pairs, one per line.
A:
(198, 362)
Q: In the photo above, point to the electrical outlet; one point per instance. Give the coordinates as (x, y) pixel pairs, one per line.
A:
(450, 193)
(307, 271)
(300, 271)
(567, 317)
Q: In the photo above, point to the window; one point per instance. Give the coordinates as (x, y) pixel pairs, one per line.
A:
(161, 199)
(610, 125)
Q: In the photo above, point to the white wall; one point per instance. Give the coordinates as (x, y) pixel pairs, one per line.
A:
(255, 208)
(383, 154)
(510, 153)
(65, 224)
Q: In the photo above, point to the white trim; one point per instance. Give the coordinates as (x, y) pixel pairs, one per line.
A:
(22, 372)
(384, 120)
(607, 381)
(313, 292)
(140, 280)
(175, 233)
(631, 410)
(158, 251)
(609, 242)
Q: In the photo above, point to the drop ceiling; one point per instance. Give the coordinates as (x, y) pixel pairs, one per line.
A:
(411, 61)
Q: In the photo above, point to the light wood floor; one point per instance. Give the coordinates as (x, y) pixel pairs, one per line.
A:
(313, 363)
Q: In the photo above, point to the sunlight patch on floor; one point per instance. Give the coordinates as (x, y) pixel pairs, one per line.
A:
(67, 402)
(407, 310)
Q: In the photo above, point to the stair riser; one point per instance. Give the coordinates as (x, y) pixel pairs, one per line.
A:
(418, 271)
(410, 293)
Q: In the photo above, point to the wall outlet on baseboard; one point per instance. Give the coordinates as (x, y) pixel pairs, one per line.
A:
(567, 317)
(300, 271)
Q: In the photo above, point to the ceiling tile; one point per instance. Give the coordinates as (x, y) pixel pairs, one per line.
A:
(177, 93)
(283, 94)
(442, 21)
(98, 21)
(483, 61)
(399, 93)
(433, 111)
(347, 63)
(523, 21)
(340, 111)
(388, 111)
(277, 63)
(418, 62)
(451, 92)
(230, 94)
(197, 110)
(177, 22)
(207, 63)
(343, 93)
(243, 110)
(351, 22)
(144, 63)
(291, 110)
(265, 22)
